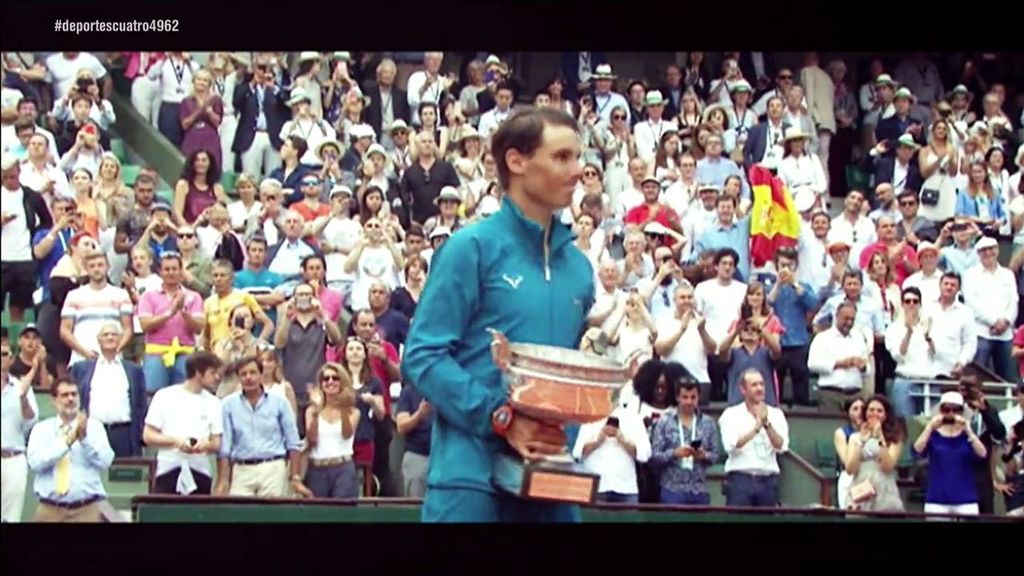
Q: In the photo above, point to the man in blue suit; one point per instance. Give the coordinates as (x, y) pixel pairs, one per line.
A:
(518, 273)
(113, 392)
(764, 142)
(260, 104)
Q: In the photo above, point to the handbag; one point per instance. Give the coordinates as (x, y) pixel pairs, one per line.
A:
(930, 196)
(862, 492)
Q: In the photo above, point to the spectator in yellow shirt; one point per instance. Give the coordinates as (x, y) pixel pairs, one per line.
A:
(225, 298)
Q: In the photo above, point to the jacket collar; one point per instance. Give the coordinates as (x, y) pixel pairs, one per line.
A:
(560, 234)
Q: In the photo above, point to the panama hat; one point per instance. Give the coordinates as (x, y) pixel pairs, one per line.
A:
(654, 98)
(884, 80)
(307, 56)
(603, 72)
(795, 133)
(326, 143)
(741, 86)
(298, 96)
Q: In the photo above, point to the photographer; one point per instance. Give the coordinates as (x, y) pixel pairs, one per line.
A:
(953, 451)
(68, 132)
(611, 448)
(101, 110)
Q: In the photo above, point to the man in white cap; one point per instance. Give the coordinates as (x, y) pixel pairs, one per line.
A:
(400, 151)
(606, 100)
(427, 85)
(306, 125)
(648, 133)
(24, 211)
(990, 290)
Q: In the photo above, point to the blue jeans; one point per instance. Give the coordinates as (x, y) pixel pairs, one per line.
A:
(159, 376)
(903, 404)
(754, 491)
(466, 505)
(998, 351)
(670, 497)
(617, 498)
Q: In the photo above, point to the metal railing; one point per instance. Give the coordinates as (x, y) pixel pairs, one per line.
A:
(1000, 394)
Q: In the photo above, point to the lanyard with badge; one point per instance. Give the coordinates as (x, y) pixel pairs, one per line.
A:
(179, 75)
(685, 439)
(600, 109)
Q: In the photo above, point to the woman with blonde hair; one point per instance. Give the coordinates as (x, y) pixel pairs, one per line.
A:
(109, 188)
(94, 211)
(200, 115)
(274, 381)
(331, 422)
(691, 113)
(979, 201)
(247, 204)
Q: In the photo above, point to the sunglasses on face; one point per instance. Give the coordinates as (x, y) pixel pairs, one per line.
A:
(952, 409)
(785, 76)
(186, 235)
(908, 203)
(330, 378)
(618, 117)
(911, 301)
(310, 183)
(589, 173)
(372, 226)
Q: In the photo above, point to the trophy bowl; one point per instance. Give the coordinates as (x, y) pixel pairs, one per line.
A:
(558, 386)
(562, 386)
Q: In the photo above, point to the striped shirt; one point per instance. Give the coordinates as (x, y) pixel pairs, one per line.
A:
(91, 309)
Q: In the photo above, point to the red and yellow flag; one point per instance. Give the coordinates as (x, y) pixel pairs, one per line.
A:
(774, 221)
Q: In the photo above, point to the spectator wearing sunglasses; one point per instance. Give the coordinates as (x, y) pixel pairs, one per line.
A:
(953, 450)
(912, 347)
(783, 82)
(331, 422)
(990, 291)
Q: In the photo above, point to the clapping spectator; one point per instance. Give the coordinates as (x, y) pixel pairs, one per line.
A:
(200, 115)
(684, 444)
(953, 328)
(370, 395)
(792, 301)
(375, 257)
(753, 434)
(871, 459)
(909, 341)
(853, 408)
(840, 356)
(331, 422)
(175, 75)
(247, 205)
(196, 267)
(171, 317)
(32, 360)
(20, 413)
(225, 298)
(953, 450)
(241, 344)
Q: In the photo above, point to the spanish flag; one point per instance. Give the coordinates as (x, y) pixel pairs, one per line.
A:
(774, 221)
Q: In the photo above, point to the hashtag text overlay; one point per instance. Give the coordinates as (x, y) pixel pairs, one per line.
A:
(76, 27)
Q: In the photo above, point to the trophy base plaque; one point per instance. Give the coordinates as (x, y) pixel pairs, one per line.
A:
(558, 479)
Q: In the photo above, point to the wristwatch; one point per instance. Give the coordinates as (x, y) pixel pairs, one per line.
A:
(295, 478)
(501, 420)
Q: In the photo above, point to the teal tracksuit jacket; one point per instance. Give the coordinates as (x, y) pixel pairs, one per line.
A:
(493, 274)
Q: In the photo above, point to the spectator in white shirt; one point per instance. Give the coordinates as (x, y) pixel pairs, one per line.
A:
(990, 291)
(605, 99)
(852, 227)
(952, 328)
(683, 338)
(20, 413)
(753, 434)
(611, 448)
(504, 95)
(719, 301)
(928, 277)
(39, 171)
(910, 343)
(92, 305)
(247, 204)
(812, 251)
(649, 132)
(427, 85)
(840, 357)
(801, 170)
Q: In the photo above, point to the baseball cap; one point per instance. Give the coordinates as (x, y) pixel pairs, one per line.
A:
(954, 398)
(984, 243)
(29, 328)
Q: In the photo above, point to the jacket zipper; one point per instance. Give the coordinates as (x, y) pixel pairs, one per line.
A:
(547, 253)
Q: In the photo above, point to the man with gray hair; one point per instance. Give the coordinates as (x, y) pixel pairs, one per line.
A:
(393, 325)
(387, 102)
(428, 85)
(269, 221)
(285, 257)
(113, 391)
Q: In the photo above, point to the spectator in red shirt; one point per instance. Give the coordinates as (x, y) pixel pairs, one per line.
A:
(1018, 350)
(652, 210)
(311, 207)
(901, 254)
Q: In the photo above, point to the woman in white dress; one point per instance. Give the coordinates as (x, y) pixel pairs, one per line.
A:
(618, 148)
(940, 164)
(800, 170)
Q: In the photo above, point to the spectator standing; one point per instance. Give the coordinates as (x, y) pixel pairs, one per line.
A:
(68, 455)
(415, 421)
(683, 338)
(684, 445)
(285, 258)
(854, 410)
(424, 179)
(33, 358)
(24, 212)
(984, 419)
(302, 335)
(840, 356)
(718, 301)
(611, 448)
(912, 347)
(792, 301)
(260, 435)
(39, 171)
(820, 92)
(175, 75)
(89, 307)
(388, 102)
(247, 205)
(133, 226)
(728, 233)
(753, 434)
(331, 422)
(260, 104)
(758, 350)
(816, 265)
(185, 423)
(375, 258)
(990, 291)
(852, 227)
(195, 265)
(952, 328)
(170, 317)
(199, 187)
(225, 298)
(241, 344)
(912, 226)
(200, 115)
(406, 297)
(901, 256)
(953, 449)
(371, 395)
(392, 325)
(255, 279)
(18, 415)
(929, 277)
(113, 392)
(960, 256)
(871, 459)
(427, 85)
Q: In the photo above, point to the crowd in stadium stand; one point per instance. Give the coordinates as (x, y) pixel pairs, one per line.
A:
(247, 324)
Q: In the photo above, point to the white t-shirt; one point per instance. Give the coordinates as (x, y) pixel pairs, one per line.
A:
(689, 351)
(610, 460)
(17, 241)
(374, 264)
(633, 337)
(343, 234)
(143, 285)
(239, 215)
(179, 413)
(63, 72)
(719, 304)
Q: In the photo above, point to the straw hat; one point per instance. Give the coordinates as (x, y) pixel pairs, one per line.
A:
(603, 72)
(795, 133)
(307, 56)
(298, 96)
